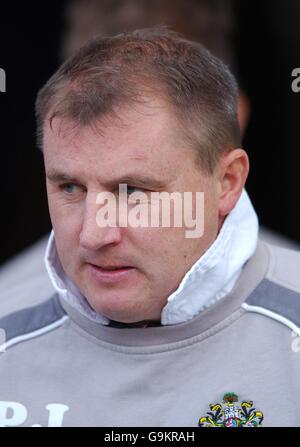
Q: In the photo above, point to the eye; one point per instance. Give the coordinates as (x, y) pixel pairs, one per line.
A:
(141, 195)
(69, 188)
(132, 189)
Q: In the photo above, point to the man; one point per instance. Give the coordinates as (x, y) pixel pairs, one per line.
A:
(210, 23)
(151, 325)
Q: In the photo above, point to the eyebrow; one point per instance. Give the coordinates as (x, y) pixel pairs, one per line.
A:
(56, 176)
(130, 179)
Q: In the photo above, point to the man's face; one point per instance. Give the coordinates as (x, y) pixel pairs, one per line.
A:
(144, 144)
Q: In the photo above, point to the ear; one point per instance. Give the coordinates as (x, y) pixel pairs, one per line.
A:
(232, 173)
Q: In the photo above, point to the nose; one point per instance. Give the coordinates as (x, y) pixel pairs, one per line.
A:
(92, 236)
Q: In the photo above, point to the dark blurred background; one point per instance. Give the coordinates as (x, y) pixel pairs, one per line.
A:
(265, 38)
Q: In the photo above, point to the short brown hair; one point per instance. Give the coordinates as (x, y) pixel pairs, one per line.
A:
(110, 72)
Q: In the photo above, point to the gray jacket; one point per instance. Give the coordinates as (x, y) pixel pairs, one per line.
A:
(235, 363)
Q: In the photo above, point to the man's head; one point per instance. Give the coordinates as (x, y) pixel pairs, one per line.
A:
(158, 113)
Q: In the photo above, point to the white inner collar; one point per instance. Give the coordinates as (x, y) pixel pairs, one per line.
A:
(209, 279)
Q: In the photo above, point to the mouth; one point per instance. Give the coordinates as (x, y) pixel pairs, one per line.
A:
(111, 267)
(110, 273)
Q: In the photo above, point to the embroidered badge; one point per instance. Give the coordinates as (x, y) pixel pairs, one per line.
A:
(232, 413)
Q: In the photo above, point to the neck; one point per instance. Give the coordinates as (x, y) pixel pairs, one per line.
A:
(138, 324)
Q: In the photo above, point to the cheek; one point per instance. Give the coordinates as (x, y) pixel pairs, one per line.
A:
(65, 217)
(66, 227)
(160, 250)
(211, 220)
(152, 242)
(67, 248)
(55, 209)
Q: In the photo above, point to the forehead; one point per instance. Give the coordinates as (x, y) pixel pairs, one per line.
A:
(144, 136)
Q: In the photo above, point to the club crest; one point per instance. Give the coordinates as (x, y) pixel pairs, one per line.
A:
(232, 413)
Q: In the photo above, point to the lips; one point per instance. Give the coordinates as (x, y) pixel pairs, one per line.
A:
(110, 273)
(111, 267)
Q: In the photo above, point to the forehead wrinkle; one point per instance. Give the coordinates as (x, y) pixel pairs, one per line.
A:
(137, 179)
(138, 157)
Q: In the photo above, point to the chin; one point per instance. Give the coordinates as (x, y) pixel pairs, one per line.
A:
(120, 317)
(114, 309)
(123, 315)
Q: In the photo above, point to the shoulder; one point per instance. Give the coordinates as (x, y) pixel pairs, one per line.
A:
(24, 280)
(31, 322)
(284, 268)
(277, 296)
